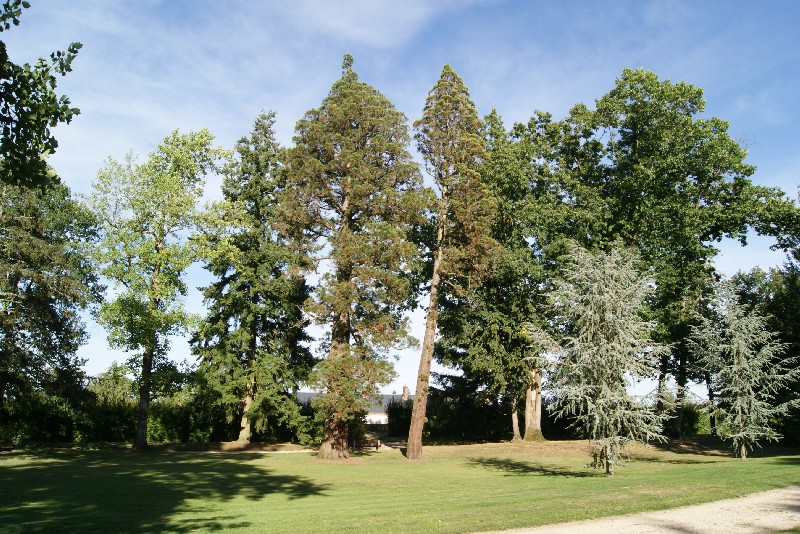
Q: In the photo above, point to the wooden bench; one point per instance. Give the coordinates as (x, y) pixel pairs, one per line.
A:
(368, 444)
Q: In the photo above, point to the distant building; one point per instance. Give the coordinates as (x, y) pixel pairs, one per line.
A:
(376, 413)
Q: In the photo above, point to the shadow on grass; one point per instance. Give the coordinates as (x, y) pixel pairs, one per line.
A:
(519, 468)
(705, 445)
(789, 460)
(113, 491)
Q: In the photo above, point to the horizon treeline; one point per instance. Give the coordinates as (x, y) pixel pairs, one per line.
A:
(561, 260)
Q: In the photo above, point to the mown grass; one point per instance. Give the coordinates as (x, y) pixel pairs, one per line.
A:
(453, 489)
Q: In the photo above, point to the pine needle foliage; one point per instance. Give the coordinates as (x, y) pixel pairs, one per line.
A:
(353, 200)
(748, 373)
(605, 349)
(449, 138)
(251, 343)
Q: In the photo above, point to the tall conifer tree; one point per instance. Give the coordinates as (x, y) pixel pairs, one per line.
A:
(748, 370)
(251, 341)
(604, 350)
(353, 198)
(449, 138)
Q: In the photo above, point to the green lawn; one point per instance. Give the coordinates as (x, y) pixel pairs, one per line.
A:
(453, 489)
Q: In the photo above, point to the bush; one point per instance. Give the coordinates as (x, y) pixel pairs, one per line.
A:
(398, 413)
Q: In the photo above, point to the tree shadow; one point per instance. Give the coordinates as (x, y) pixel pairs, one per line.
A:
(520, 468)
(789, 460)
(113, 491)
(700, 445)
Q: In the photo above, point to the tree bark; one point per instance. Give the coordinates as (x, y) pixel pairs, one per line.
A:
(609, 454)
(515, 422)
(245, 431)
(140, 441)
(712, 418)
(680, 396)
(334, 443)
(533, 407)
(662, 379)
(414, 446)
(335, 428)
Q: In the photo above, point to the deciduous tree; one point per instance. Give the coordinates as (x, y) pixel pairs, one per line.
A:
(29, 107)
(672, 184)
(147, 213)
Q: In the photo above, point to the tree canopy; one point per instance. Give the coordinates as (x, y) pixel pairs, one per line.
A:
(146, 213)
(252, 342)
(352, 203)
(29, 108)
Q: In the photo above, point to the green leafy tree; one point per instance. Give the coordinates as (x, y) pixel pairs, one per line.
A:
(251, 341)
(146, 213)
(46, 282)
(449, 138)
(114, 386)
(604, 350)
(672, 185)
(748, 372)
(482, 336)
(353, 200)
(29, 107)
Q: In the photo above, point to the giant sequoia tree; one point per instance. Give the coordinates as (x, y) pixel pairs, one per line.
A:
(353, 197)
(448, 136)
(146, 213)
(251, 341)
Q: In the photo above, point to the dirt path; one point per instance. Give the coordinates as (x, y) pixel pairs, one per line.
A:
(765, 512)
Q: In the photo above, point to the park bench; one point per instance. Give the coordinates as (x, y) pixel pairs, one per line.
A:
(368, 444)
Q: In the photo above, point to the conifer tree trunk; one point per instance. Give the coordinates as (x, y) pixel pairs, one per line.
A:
(245, 430)
(414, 447)
(335, 430)
(610, 454)
(662, 379)
(712, 418)
(680, 397)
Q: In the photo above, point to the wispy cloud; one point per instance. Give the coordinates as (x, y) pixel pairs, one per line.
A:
(151, 66)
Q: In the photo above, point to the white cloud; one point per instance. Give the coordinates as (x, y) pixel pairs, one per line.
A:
(148, 67)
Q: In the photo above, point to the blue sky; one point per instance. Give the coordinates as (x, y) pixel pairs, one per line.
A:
(148, 67)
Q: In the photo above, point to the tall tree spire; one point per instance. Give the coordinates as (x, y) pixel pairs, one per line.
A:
(448, 136)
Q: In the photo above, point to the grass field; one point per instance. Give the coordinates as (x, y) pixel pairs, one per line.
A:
(453, 489)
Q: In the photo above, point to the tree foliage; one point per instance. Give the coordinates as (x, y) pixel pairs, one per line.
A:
(46, 282)
(29, 107)
(605, 349)
(672, 185)
(482, 336)
(353, 200)
(251, 343)
(748, 372)
(146, 213)
(448, 136)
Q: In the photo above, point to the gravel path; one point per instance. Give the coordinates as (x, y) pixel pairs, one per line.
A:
(765, 512)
